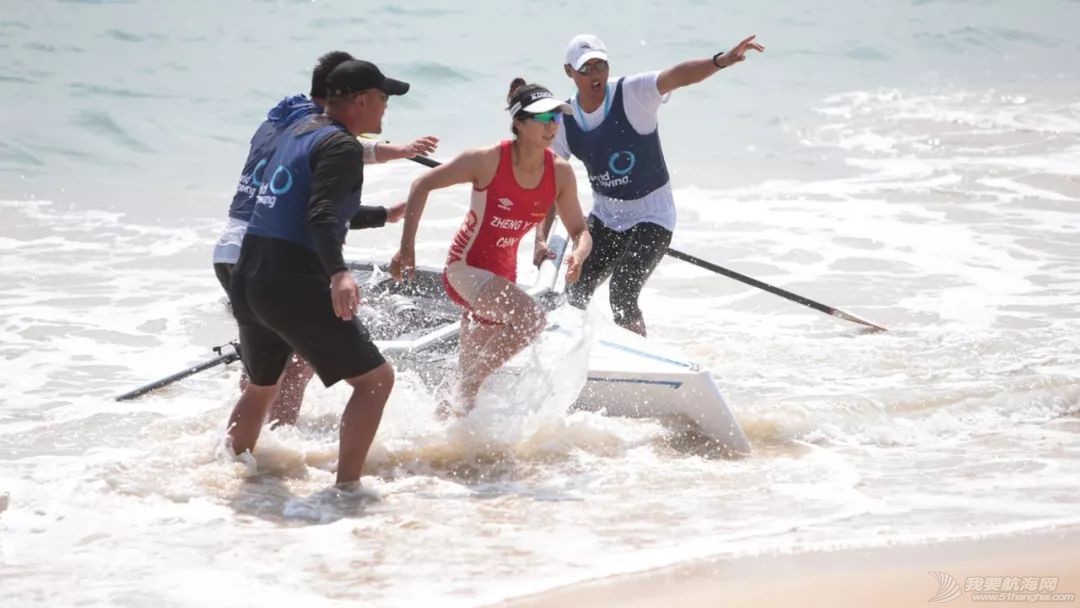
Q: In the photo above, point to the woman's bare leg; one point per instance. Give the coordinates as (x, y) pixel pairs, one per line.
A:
(471, 343)
(522, 320)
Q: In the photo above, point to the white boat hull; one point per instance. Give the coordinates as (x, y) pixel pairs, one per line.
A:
(627, 380)
(628, 375)
(631, 376)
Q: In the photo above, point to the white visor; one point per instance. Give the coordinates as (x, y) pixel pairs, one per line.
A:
(539, 102)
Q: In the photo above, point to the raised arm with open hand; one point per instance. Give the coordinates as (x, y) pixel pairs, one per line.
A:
(694, 71)
(738, 52)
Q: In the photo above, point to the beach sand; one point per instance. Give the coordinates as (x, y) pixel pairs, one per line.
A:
(881, 577)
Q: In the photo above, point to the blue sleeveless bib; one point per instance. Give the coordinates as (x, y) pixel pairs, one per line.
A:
(622, 164)
(281, 206)
(286, 113)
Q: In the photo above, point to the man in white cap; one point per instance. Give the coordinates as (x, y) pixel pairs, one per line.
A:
(614, 133)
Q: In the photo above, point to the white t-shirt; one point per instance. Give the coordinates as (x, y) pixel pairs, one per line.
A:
(227, 249)
(641, 102)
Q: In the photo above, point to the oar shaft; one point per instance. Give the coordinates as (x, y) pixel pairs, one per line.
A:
(783, 293)
(686, 257)
(427, 162)
(139, 392)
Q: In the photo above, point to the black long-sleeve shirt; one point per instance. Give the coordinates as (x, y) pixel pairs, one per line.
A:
(337, 166)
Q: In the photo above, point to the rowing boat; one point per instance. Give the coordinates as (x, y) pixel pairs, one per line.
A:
(416, 326)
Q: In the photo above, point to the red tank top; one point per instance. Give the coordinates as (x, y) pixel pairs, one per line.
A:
(500, 215)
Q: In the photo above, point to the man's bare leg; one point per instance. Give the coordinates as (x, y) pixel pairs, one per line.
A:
(360, 421)
(247, 418)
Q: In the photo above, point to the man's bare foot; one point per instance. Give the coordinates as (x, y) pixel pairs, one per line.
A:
(348, 486)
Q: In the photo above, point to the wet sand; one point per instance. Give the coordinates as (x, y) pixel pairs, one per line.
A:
(883, 577)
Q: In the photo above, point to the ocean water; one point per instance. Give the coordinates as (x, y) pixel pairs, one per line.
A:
(917, 163)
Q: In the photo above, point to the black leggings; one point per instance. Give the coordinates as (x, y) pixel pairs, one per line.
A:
(628, 257)
(224, 273)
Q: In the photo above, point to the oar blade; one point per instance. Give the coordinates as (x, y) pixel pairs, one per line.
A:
(847, 316)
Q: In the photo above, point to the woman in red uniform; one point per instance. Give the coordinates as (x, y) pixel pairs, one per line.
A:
(514, 183)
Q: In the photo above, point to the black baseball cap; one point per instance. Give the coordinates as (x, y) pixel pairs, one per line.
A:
(358, 75)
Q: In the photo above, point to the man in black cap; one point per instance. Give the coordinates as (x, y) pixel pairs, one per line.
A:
(291, 290)
(283, 115)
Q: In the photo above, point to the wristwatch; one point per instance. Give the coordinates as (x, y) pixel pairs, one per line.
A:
(715, 59)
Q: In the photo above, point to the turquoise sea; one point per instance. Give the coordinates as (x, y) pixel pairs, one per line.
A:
(916, 162)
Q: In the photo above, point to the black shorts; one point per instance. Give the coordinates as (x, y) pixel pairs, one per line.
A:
(284, 312)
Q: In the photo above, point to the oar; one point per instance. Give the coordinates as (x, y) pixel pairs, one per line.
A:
(675, 253)
(427, 162)
(783, 293)
(225, 358)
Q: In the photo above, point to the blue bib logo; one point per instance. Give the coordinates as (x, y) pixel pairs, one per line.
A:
(256, 173)
(617, 158)
(282, 189)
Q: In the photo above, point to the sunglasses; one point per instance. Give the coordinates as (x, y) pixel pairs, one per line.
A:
(589, 68)
(545, 117)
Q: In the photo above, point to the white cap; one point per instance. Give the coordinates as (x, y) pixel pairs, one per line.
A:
(582, 48)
